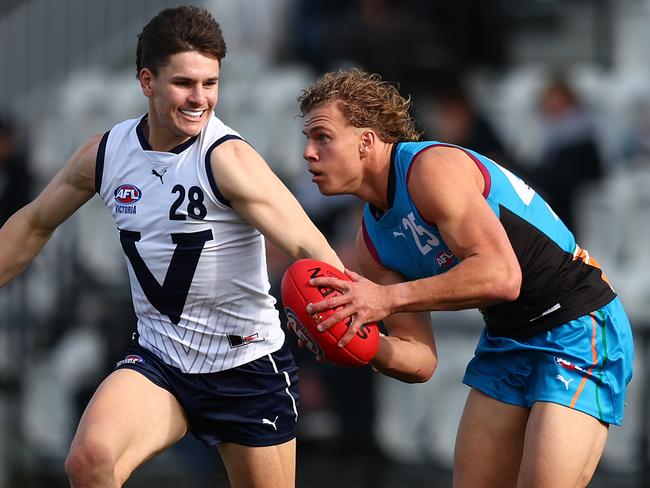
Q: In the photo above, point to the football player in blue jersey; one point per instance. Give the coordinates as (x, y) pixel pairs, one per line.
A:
(446, 228)
(193, 203)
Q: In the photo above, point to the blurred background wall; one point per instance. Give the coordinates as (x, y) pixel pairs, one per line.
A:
(557, 90)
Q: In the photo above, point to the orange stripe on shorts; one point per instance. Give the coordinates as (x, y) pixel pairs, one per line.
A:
(594, 359)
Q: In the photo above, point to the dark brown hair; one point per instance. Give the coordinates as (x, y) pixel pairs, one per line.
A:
(365, 101)
(177, 30)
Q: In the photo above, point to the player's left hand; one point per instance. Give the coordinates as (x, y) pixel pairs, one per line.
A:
(360, 299)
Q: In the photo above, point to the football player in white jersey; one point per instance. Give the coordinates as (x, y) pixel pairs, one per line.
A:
(193, 203)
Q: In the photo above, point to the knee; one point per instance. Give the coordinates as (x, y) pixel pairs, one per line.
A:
(89, 463)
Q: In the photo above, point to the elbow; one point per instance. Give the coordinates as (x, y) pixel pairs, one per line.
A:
(415, 364)
(423, 373)
(508, 286)
(512, 288)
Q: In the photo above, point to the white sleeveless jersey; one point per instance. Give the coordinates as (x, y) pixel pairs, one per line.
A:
(198, 271)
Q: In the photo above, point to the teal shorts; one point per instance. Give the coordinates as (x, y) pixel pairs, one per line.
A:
(584, 364)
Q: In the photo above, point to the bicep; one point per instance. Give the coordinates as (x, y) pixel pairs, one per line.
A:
(70, 188)
(257, 194)
(446, 187)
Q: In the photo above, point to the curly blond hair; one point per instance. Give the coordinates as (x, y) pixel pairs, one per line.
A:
(365, 101)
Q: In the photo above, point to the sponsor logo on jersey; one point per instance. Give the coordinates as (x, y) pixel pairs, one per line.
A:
(126, 197)
(444, 258)
(294, 323)
(130, 359)
(238, 341)
(569, 366)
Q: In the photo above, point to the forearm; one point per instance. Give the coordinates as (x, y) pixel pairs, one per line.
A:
(319, 248)
(284, 223)
(404, 360)
(471, 284)
(310, 244)
(19, 244)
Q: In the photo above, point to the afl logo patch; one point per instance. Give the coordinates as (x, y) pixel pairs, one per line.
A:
(444, 258)
(127, 194)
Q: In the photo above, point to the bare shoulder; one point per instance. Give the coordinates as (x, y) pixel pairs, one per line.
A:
(443, 163)
(80, 168)
(240, 172)
(86, 155)
(68, 190)
(232, 148)
(444, 178)
(234, 156)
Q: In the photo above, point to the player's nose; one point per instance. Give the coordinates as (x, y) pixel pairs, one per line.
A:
(309, 154)
(197, 95)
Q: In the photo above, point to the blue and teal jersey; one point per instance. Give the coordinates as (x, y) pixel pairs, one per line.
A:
(559, 281)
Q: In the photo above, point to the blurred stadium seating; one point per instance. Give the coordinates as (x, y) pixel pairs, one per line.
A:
(67, 71)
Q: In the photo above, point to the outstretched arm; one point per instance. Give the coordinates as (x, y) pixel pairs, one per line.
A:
(26, 232)
(259, 196)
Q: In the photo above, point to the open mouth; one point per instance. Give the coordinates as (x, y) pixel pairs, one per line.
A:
(316, 175)
(192, 114)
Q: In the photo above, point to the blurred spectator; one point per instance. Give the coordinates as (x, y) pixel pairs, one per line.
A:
(456, 119)
(15, 180)
(635, 149)
(411, 43)
(570, 155)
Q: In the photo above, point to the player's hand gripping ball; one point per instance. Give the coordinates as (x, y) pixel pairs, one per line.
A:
(297, 293)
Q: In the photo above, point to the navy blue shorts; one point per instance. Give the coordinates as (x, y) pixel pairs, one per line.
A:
(254, 404)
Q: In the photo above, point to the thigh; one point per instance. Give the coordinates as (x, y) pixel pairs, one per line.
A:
(260, 467)
(562, 447)
(489, 443)
(131, 419)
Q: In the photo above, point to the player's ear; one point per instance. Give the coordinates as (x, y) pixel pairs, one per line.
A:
(367, 141)
(145, 76)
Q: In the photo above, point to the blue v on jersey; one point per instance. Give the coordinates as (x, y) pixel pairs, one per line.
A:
(197, 269)
(560, 282)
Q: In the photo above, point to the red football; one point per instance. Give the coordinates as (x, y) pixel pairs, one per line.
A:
(297, 293)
